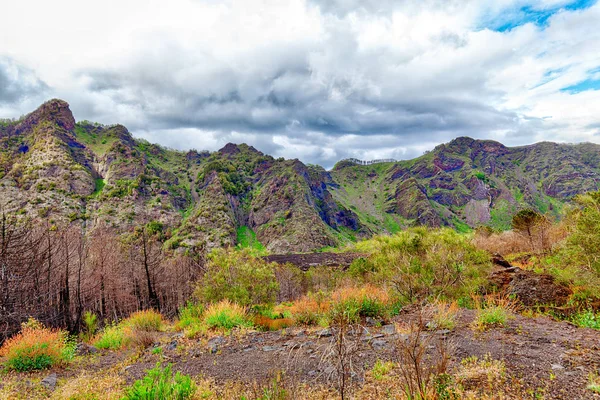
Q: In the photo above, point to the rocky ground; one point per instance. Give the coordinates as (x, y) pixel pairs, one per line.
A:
(543, 358)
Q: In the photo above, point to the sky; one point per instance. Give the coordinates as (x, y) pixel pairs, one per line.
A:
(318, 80)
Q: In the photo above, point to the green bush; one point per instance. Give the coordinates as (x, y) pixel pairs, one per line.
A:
(424, 263)
(239, 277)
(90, 325)
(112, 337)
(159, 383)
(37, 347)
(587, 319)
(225, 315)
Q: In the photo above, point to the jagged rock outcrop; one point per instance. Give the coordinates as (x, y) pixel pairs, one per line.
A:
(54, 167)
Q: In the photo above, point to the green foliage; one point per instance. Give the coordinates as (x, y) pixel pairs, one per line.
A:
(246, 239)
(584, 243)
(225, 315)
(491, 316)
(587, 319)
(159, 383)
(90, 325)
(421, 263)
(112, 338)
(100, 183)
(37, 347)
(382, 369)
(237, 276)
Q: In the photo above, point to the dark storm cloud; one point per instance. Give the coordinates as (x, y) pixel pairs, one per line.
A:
(287, 92)
(18, 83)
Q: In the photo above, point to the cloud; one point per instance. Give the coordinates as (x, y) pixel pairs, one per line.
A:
(18, 83)
(320, 80)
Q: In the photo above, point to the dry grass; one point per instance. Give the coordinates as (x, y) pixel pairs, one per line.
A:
(309, 310)
(477, 376)
(492, 310)
(512, 242)
(108, 385)
(35, 347)
(444, 315)
(272, 324)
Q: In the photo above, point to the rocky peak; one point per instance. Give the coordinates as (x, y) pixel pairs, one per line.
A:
(230, 149)
(54, 110)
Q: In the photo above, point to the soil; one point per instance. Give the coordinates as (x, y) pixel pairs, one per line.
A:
(542, 356)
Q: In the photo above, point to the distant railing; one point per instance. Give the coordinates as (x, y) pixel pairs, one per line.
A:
(370, 162)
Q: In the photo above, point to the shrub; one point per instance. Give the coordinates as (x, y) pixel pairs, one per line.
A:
(239, 277)
(189, 314)
(90, 325)
(159, 383)
(492, 311)
(309, 310)
(37, 347)
(145, 320)
(421, 263)
(587, 319)
(366, 301)
(225, 315)
(112, 338)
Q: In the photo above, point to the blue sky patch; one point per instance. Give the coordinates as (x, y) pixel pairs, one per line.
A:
(588, 84)
(510, 19)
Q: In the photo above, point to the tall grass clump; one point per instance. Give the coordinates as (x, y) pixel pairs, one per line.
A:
(145, 320)
(139, 329)
(310, 309)
(365, 301)
(225, 315)
(112, 337)
(36, 347)
(492, 311)
(160, 383)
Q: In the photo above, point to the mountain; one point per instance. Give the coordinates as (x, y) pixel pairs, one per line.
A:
(56, 168)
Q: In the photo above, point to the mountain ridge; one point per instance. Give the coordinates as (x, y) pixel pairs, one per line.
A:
(52, 166)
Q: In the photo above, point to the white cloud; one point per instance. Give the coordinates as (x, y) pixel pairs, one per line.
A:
(317, 80)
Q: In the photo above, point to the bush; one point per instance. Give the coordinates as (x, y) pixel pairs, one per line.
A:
(492, 311)
(146, 320)
(225, 315)
(90, 325)
(190, 320)
(37, 347)
(310, 310)
(239, 277)
(112, 338)
(367, 301)
(159, 383)
(422, 263)
(587, 319)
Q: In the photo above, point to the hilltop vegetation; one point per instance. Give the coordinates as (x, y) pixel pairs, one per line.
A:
(52, 166)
